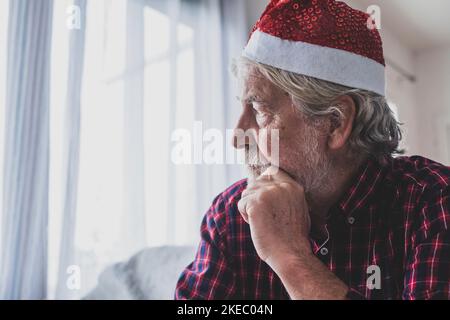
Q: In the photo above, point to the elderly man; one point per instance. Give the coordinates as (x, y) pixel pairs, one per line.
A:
(339, 217)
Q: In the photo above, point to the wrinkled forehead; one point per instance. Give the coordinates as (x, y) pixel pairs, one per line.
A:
(251, 81)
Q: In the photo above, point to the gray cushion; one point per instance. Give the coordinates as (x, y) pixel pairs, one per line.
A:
(150, 274)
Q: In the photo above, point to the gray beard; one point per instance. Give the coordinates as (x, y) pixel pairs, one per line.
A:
(316, 169)
(255, 163)
(313, 178)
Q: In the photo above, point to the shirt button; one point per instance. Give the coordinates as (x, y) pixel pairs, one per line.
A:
(324, 251)
(351, 220)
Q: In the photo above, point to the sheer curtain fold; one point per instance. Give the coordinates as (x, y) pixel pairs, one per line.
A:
(173, 12)
(25, 185)
(134, 220)
(222, 31)
(71, 153)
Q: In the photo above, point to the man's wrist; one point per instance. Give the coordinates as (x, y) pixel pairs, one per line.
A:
(305, 277)
(284, 261)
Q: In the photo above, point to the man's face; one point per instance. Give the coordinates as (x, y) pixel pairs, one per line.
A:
(302, 143)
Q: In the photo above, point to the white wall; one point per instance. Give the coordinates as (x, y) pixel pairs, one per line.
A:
(254, 10)
(400, 90)
(433, 100)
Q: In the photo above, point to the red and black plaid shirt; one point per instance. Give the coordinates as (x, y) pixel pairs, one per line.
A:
(396, 217)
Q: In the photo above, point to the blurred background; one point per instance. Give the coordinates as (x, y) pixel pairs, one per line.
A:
(91, 92)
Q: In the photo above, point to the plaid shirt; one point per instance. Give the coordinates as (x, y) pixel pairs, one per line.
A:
(396, 217)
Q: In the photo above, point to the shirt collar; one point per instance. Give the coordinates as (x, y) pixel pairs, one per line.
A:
(362, 188)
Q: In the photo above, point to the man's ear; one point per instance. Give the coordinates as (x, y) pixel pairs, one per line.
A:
(342, 122)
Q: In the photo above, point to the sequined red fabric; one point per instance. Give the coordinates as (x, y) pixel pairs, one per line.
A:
(327, 23)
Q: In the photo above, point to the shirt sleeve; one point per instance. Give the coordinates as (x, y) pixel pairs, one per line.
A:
(427, 274)
(210, 275)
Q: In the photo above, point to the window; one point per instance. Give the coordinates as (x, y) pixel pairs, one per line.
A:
(138, 86)
(169, 68)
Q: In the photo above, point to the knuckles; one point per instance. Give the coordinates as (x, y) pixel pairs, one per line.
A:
(273, 191)
(262, 193)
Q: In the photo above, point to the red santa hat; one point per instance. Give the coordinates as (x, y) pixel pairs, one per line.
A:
(324, 39)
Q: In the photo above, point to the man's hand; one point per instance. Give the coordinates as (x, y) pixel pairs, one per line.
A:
(275, 207)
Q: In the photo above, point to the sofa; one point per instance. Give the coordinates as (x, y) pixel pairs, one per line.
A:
(151, 274)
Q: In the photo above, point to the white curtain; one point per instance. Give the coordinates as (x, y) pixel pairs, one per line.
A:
(149, 68)
(23, 273)
(71, 150)
(4, 14)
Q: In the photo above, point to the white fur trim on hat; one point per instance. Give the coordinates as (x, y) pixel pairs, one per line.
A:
(325, 63)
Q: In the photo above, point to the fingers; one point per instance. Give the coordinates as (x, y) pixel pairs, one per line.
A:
(254, 196)
(264, 189)
(249, 197)
(242, 207)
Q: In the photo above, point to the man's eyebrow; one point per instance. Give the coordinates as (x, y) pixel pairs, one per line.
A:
(250, 98)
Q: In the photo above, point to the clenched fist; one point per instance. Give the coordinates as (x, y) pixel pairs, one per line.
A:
(275, 207)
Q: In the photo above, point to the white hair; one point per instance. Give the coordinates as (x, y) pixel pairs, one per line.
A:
(375, 133)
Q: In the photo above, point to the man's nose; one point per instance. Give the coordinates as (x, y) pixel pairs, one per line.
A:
(244, 128)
